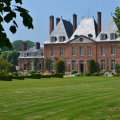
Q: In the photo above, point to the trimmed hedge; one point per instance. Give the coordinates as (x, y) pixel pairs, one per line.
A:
(92, 66)
(87, 74)
(36, 76)
(59, 75)
(18, 77)
(74, 72)
(31, 72)
(6, 77)
(96, 74)
(45, 76)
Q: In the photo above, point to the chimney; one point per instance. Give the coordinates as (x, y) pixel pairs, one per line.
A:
(57, 20)
(99, 22)
(51, 23)
(24, 47)
(37, 45)
(74, 22)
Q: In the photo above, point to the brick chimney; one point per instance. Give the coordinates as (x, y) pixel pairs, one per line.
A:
(74, 22)
(37, 45)
(51, 23)
(99, 22)
(57, 20)
(24, 47)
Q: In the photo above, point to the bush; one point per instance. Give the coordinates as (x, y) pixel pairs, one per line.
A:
(31, 72)
(100, 74)
(117, 68)
(59, 66)
(81, 74)
(87, 74)
(45, 76)
(92, 74)
(36, 76)
(96, 74)
(26, 76)
(92, 66)
(74, 72)
(6, 77)
(18, 77)
(59, 75)
(15, 73)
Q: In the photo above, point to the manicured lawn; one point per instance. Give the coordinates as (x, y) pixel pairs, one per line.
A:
(75, 98)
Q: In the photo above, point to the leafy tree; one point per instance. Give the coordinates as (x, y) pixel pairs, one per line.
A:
(117, 20)
(8, 14)
(7, 49)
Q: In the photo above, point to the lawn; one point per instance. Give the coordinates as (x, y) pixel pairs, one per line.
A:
(74, 98)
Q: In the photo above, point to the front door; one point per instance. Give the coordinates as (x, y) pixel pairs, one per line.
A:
(81, 66)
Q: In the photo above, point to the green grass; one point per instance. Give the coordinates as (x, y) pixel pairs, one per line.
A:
(75, 98)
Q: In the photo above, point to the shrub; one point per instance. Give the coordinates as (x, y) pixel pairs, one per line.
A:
(10, 69)
(6, 77)
(87, 74)
(96, 74)
(92, 66)
(74, 72)
(117, 68)
(18, 77)
(81, 74)
(31, 72)
(92, 74)
(100, 74)
(15, 73)
(59, 66)
(45, 76)
(26, 76)
(59, 75)
(36, 76)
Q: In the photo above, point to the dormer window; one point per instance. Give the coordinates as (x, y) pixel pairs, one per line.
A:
(103, 36)
(112, 36)
(90, 35)
(75, 36)
(61, 38)
(25, 54)
(40, 54)
(53, 39)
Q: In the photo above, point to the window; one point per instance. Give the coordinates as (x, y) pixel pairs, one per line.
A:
(102, 64)
(103, 36)
(87, 64)
(34, 53)
(29, 54)
(32, 65)
(40, 54)
(90, 35)
(52, 65)
(73, 65)
(39, 66)
(112, 36)
(102, 50)
(112, 64)
(25, 54)
(88, 50)
(61, 51)
(73, 51)
(52, 51)
(112, 50)
(53, 39)
(25, 65)
(81, 50)
(61, 38)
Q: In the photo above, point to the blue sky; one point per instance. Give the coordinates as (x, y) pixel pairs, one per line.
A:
(40, 10)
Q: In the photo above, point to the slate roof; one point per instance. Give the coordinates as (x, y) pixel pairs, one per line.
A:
(86, 26)
(63, 28)
(110, 27)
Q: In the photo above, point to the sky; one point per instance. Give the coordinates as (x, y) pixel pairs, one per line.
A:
(40, 10)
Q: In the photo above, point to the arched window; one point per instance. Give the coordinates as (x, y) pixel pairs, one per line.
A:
(112, 36)
(102, 64)
(73, 65)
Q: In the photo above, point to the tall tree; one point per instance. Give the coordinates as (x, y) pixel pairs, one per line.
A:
(6, 7)
(117, 20)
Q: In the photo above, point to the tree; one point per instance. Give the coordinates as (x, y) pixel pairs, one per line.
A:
(117, 20)
(8, 14)
(92, 66)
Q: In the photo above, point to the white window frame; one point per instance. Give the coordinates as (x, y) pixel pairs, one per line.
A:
(89, 50)
(60, 51)
(103, 36)
(112, 63)
(73, 51)
(102, 65)
(62, 38)
(53, 39)
(73, 65)
(32, 65)
(103, 50)
(112, 36)
(112, 50)
(52, 65)
(52, 51)
(81, 51)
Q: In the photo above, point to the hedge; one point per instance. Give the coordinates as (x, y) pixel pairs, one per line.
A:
(18, 77)
(6, 77)
(59, 75)
(36, 76)
(74, 72)
(45, 76)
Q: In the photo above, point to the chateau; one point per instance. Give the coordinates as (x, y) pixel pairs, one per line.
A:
(76, 45)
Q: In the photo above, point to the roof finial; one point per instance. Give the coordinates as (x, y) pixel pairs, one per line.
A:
(88, 11)
(93, 16)
(61, 17)
(82, 17)
(111, 13)
(69, 19)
